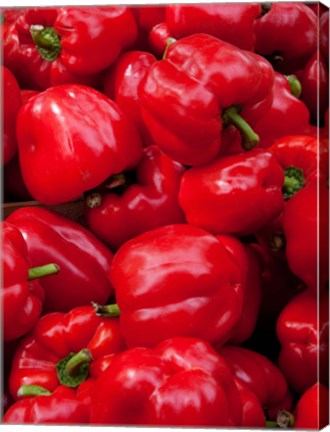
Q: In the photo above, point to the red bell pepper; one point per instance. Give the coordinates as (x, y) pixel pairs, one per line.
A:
(204, 81)
(158, 39)
(231, 22)
(233, 195)
(69, 350)
(261, 376)
(70, 44)
(53, 129)
(21, 295)
(59, 407)
(314, 80)
(303, 331)
(253, 413)
(121, 84)
(304, 215)
(276, 35)
(151, 201)
(181, 382)
(177, 280)
(10, 106)
(248, 263)
(84, 260)
(312, 409)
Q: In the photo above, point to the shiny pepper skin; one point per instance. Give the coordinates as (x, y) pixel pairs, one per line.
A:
(177, 280)
(233, 195)
(312, 409)
(151, 201)
(303, 331)
(78, 129)
(181, 382)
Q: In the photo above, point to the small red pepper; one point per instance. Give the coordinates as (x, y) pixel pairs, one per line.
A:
(121, 84)
(68, 45)
(84, 260)
(181, 382)
(151, 201)
(231, 22)
(261, 376)
(234, 194)
(69, 350)
(312, 409)
(276, 35)
(177, 280)
(80, 130)
(59, 407)
(10, 106)
(204, 82)
(248, 263)
(21, 295)
(303, 331)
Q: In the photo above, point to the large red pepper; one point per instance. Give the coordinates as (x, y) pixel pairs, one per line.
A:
(233, 195)
(121, 84)
(21, 295)
(43, 407)
(151, 201)
(181, 382)
(303, 331)
(69, 350)
(67, 45)
(204, 82)
(177, 280)
(261, 376)
(11, 104)
(304, 215)
(248, 263)
(80, 130)
(276, 35)
(84, 260)
(231, 22)
(314, 80)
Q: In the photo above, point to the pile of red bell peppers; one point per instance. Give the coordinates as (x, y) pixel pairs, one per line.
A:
(193, 289)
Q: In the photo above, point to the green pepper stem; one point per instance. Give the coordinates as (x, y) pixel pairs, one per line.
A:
(106, 310)
(295, 85)
(73, 366)
(271, 424)
(285, 419)
(32, 390)
(43, 271)
(47, 41)
(169, 42)
(250, 138)
(294, 180)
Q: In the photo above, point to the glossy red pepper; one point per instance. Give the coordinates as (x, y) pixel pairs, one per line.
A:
(149, 202)
(69, 350)
(230, 22)
(21, 295)
(304, 215)
(303, 331)
(158, 39)
(84, 260)
(312, 409)
(11, 104)
(59, 407)
(121, 84)
(261, 376)
(276, 35)
(253, 413)
(181, 382)
(65, 135)
(249, 266)
(234, 194)
(177, 280)
(204, 81)
(68, 45)
(314, 80)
